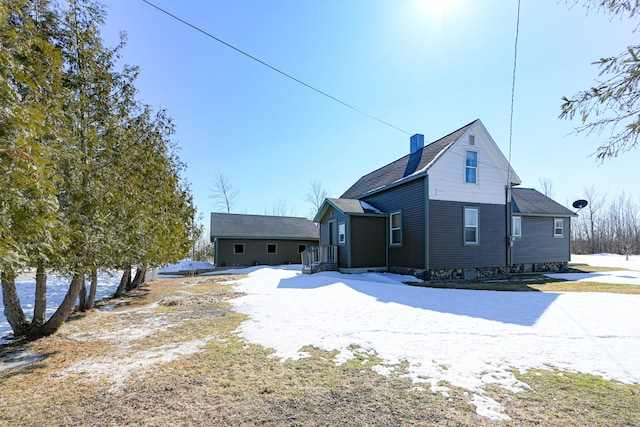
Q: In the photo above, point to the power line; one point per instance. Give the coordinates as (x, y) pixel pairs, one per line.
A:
(513, 91)
(289, 76)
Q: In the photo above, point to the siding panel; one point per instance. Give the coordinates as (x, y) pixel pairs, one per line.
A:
(368, 241)
(255, 252)
(446, 240)
(331, 215)
(537, 243)
(410, 200)
(446, 176)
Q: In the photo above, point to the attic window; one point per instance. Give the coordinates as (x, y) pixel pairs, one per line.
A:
(472, 140)
(471, 167)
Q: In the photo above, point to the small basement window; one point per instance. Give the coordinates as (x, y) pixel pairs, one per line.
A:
(238, 248)
(558, 227)
(272, 248)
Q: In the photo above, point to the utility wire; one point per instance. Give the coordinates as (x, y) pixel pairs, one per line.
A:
(513, 91)
(273, 68)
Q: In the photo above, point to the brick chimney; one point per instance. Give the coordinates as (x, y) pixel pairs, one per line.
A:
(417, 142)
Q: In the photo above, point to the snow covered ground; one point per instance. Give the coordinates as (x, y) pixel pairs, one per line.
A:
(629, 276)
(56, 290)
(465, 338)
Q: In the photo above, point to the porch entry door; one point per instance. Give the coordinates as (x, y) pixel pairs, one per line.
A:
(333, 233)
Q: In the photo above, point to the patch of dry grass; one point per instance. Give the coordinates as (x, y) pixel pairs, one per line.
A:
(538, 282)
(171, 357)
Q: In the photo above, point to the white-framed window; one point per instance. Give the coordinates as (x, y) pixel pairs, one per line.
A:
(558, 227)
(395, 230)
(272, 248)
(238, 248)
(516, 230)
(472, 140)
(471, 226)
(471, 167)
(342, 233)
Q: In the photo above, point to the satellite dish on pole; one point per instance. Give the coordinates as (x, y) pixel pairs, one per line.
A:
(579, 204)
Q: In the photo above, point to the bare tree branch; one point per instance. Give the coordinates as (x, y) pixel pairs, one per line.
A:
(546, 187)
(315, 196)
(223, 193)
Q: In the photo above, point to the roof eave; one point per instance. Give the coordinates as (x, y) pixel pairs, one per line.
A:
(547, 215)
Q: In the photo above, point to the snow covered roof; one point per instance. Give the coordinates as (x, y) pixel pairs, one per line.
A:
(347, 206)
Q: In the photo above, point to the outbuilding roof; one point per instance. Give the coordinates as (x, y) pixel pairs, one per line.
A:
(242, 226)
(527, 201)
(405, 166)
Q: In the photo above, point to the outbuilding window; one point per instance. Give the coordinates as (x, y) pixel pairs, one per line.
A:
(272, 248)
(238, 248)
(471, 226)
(302, 248)
(395, 237)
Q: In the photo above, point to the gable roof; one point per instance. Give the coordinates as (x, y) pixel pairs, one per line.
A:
(347, 206)
(527, 201)
(224, 225)
(406, 166)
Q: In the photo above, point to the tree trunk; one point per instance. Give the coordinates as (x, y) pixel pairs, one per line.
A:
(82, 296)
(12, 309)
(65, 308)
(92, 289)
(40, 307)
(138, 280)
(125, 282)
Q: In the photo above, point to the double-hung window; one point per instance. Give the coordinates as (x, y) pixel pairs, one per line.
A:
(342, 233)
(558, 227)
(471, 167)
(471, 226)
(395, 230)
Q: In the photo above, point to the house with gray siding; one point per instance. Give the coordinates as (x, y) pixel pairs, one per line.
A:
(241, 240)
(450, 209)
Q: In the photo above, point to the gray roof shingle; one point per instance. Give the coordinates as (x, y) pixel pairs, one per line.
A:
(225, 225)
(403, 167)
(528, 201)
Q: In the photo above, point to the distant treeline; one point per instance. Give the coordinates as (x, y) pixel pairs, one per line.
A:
(607, 225)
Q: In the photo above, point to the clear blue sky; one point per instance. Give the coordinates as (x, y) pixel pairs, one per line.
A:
(425, 66)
